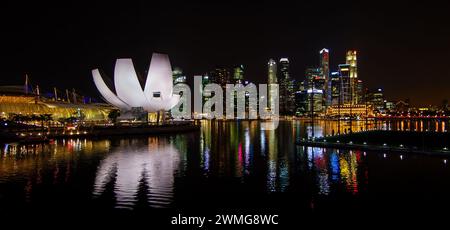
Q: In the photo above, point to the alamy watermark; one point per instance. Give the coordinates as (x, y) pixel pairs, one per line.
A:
(241, 102)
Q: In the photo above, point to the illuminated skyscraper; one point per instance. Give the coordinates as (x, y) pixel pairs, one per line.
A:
(220, 76)
(177, 75)
(238, 74)
(335, 87)
(314, 85)
(360, 92)
(325, 69)
(351, 60)
(346, 86)
(272, 79)
(287, 95)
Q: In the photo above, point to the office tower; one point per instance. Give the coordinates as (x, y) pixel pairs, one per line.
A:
(301, 100)
(335, 87)
(325, 69)
(360, 92)
(351, 60)
(346, 86)
(272, 79)
(205, 81)
(238, 74)
(177, 75)
(315, 101)
(287, 94)
(314, 85)
(220, 76)
(377, 99)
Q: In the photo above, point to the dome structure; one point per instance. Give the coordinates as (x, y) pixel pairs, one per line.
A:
(157, 94)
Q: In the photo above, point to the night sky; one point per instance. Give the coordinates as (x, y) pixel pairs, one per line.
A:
(402, 47)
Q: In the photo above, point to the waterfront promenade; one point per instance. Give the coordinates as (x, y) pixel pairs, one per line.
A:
(385, 140)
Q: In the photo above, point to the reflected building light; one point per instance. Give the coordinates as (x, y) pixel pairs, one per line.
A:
(272, 162)
(155, 167)
(247, 150)
(349, 168)
(206, 159)
(240, 162)
(334, 164)
(284, 175)
(263, 142)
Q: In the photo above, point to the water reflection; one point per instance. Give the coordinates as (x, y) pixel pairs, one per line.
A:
(188, 169)
(134, 171)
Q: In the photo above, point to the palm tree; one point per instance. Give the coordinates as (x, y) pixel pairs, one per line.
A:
(45, 118)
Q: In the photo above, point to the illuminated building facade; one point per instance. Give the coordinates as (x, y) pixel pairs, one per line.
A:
(27, 104)
(314, 103)
(287, 96)
(376, 98)
(178, 76)
(351, 60)
(238, 74)
(158, 91)
(325, 69)
(271, 79)
(220, 76)
(350, 110)
(346, 85)
(335, 87)
(360, 92)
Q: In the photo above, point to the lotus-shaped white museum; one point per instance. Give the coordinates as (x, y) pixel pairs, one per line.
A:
(157, 94)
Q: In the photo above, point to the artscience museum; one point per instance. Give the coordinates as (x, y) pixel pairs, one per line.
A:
(157, 94)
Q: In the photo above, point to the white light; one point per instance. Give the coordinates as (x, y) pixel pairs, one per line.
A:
(129, 90)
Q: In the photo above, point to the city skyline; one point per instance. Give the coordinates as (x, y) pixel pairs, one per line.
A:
(396, 48)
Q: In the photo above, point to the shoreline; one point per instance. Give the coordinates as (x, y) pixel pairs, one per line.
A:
(101, 132)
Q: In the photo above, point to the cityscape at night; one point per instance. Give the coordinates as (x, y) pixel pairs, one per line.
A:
(199, 115)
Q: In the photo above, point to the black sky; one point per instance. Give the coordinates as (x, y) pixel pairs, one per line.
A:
(403, 47)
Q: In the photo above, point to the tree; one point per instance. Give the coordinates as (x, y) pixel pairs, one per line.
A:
(45, 118)
(113, 115)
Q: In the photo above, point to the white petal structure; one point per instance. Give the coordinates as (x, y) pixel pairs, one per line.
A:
(157, 94)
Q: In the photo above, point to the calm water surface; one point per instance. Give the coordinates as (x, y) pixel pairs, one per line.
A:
(225, 166)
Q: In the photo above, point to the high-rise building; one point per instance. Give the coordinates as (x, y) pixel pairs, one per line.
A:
(335, 87)
(314, 103)
(325, 69)
(377, 99)
(238, 74)
(272, 79)
(346, 85)
(177, 75)
(351, 60)
(314, 86)
(360, 92)
(220, 76)
(301, 100)
(287, 95)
